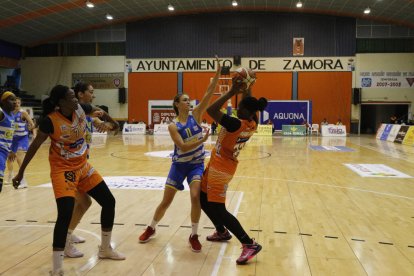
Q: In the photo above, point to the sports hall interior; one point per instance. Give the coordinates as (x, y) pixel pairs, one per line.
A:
(312, 214)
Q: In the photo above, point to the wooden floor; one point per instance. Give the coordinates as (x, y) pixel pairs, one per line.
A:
(312, 214)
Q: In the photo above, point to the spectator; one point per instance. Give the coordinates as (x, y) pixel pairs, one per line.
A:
(324, 122)
(393, 119)
(339, 122)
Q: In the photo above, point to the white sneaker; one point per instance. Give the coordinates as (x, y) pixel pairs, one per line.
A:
(23, 184)
(71, 251)
(110, 253)
(56, 273)
(77, 239)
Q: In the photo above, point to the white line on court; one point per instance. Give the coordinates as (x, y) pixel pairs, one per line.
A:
(328, 185)
(50, 226)
(224, 245)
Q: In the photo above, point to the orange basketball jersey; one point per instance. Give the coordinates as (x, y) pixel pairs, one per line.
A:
(68, 147)
(228, 146)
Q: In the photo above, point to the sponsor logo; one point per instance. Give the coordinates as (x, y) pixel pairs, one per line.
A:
(410, 81)
(290, 116)
(333, 130)
(366, 82)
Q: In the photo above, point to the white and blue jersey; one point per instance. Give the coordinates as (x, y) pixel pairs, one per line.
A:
(6, 138)
(188, 164)
(21, 133)
(88, 132)
(190, 131)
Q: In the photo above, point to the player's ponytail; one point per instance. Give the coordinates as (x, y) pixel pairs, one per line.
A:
(176, 101)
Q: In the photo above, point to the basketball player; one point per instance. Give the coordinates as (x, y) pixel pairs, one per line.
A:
(22, 124)
(7, 103)
(65, 123)
(234, 134)
(84, 94)
(187, 160)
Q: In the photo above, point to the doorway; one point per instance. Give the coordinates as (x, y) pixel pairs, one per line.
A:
(374, 114)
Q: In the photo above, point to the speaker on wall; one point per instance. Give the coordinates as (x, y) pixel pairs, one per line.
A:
(122, 95)
(237, 60)
(356, 96)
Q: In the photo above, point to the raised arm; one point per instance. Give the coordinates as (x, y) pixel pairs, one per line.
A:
(34, 146)
(202, 106)
(179, 142)
(214, 109)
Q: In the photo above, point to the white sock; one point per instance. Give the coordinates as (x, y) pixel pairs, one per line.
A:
(153, 224)
(194, 228)
(57, 260)
(106, 239)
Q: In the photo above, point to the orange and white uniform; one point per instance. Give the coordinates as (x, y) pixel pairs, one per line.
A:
(68, 151)
(223, 160)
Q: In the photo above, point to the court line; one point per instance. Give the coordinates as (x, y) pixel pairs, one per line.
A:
(92, 261)
(224, 245)
(328, 185)
(50, 226)
(288, 180)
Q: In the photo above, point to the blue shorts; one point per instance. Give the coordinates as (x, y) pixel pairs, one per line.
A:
(3, 159)
(179, 172)
(20, 143)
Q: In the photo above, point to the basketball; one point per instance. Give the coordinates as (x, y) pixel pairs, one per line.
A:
(244, 77)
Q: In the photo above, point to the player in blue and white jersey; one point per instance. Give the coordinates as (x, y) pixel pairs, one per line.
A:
(187, 160)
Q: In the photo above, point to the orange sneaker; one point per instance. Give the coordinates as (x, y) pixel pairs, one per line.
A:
(146, 236)
(194, 243)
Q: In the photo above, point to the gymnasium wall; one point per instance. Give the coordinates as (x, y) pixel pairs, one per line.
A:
(149, 86)
(387, 63)
(330, 93)
(252, 34)
(39, 75)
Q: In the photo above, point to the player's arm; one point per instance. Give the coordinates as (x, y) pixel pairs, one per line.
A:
(179, 142)
(26, 117)
(202, 106)
(214, 109)
(45, 128)
(107, 119)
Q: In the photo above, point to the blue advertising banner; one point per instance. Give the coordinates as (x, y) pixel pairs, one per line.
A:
(386, 131)
(286, 113)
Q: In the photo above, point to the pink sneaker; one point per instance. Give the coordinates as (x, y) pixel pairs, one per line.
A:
(248, 252)
(146, 236)
(218, 237)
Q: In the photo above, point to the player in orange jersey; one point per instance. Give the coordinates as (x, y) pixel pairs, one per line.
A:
(234, 134)
(65, 123)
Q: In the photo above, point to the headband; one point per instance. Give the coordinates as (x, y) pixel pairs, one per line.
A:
(6, 95)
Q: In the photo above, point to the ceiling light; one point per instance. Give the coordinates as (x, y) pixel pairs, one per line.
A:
(170, 7)
(367, 10)
(299, 4)
(234, 3)
(109, 17)
(89, 4)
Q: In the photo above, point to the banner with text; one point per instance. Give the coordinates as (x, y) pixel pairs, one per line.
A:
(386, 79)
(257, 64)
(100, 80)
(286, 113)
